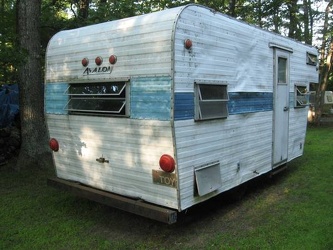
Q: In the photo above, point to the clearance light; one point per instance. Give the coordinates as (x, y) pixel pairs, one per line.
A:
(85, 62)
(112, 59)
(167, 163)
(98, 60)
(54, 145)
(188, 44)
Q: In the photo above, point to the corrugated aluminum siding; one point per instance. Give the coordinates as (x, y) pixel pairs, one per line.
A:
(150, 51)
(242, 145)
(297, 128)
(226, 50)
(132, 147)
(142, 45)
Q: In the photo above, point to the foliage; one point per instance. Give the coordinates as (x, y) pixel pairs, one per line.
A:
(289, 17)
(325, 62)
(326, 50)
(291, 211)
(9, 58)
(293, 18)
(54, 18)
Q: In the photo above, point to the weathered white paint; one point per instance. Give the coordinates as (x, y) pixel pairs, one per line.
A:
(132, 147)
(150, 52)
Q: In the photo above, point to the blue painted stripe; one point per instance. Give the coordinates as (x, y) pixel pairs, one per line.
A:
(184, 106)
(151, 98)
(239, 103)
(250, 102)
(55, 99)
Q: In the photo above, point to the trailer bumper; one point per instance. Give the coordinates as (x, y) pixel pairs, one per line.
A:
(138, 207)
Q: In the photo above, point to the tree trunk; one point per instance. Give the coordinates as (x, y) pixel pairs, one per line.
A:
(83, 10)
(232, 8)
(307, 35)
(325, 66)
(292, 6)
(259, 14)
(276, 17)
(34, 148)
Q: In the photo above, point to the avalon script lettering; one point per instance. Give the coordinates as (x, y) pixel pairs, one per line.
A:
(97, 70)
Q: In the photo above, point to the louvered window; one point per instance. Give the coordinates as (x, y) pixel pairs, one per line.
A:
(301, 96)
(211, 101)
(98, 99)
(311, 59)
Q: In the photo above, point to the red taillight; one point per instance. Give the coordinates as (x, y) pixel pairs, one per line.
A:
(112, 59)
(188, 43)
(98, 60)
(167, 163)
(54, 145)
(85, 62)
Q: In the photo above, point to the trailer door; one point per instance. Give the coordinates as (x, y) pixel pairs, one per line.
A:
(281, 107)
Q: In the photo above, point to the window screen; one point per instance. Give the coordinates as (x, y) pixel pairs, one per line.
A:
(98, 98)
(211, 101)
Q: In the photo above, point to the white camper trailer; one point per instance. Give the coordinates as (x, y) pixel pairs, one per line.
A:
(156, 113)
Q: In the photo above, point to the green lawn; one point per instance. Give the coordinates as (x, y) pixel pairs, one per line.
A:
(294, 210)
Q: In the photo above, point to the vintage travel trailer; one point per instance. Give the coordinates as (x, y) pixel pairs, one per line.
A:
(156, 113)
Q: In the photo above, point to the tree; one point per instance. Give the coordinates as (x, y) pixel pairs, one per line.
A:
(273, 15)
(54, 17)
(293, 21)
(325, 65)
(308, 22)
(8, 56)
(34, 148)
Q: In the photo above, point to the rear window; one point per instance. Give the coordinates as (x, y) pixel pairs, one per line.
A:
(98, 99)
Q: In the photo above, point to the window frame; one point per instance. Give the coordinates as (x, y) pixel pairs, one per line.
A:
(123, 100)
(300, 94)
(311, 59)
(200, 102)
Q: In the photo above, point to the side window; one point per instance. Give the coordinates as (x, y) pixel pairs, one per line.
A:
(98, 99)
(301, 96)
(311, 59)
(211, 101)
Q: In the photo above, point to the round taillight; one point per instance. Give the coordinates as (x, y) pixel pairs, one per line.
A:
(85, 62)
(54, 145)
(188, 43)
(98, 60)
(167, 163)
(112, 59)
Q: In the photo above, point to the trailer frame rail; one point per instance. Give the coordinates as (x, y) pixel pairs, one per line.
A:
(135, 206)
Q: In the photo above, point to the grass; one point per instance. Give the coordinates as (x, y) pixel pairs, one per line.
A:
(294, 210)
